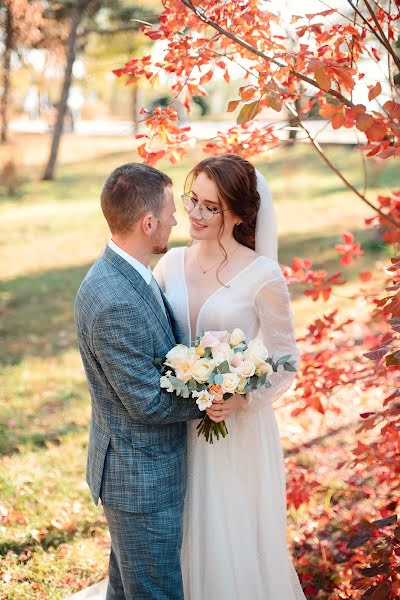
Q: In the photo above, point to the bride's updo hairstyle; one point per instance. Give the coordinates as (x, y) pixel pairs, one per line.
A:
(236, 182)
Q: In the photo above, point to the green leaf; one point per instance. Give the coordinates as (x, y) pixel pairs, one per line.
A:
(288, 366)
(248, 112)
(218, 379)
(283, 359)
(223, 367)
(192, 385)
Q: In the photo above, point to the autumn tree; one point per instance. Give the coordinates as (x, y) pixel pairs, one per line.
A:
(85, 18)
(24, 25)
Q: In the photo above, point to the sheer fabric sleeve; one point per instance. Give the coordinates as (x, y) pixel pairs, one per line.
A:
(272, 304)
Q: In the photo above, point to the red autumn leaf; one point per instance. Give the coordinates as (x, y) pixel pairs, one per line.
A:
(233, 104)
(364, 122)
(374, 91)
(377, 131)
(365, 275)
(323, 79)
(337, 120)
(328, 110)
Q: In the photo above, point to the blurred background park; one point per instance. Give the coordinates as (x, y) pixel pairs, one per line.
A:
(53, 541)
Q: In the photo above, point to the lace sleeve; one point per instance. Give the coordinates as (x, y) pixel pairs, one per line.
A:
(272, 304)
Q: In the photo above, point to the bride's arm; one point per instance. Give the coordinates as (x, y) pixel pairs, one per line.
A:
(272, 304)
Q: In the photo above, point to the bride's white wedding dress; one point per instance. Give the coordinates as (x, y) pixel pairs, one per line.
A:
(234, 545)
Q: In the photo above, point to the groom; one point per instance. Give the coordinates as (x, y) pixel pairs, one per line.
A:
(137, 444)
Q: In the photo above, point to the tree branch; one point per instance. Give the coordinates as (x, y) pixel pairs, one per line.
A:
(339, 174)
(384, 38)
(189, 4)
(121, 29)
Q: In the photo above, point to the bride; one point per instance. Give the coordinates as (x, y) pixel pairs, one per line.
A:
(234, 545)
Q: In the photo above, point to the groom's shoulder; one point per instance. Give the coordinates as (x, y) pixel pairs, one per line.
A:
(104, 285)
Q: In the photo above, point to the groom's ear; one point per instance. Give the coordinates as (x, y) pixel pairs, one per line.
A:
(147, 224)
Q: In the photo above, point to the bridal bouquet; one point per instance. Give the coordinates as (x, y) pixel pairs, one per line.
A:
(216, 366)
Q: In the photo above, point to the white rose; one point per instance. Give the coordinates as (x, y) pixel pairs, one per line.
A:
(177, 353)
(202, 370)
(246, 369)
(221, 353)
(256, 352)
(204, 399)
(237, 336)
(165, 383)
(230, 383)
(265, 368)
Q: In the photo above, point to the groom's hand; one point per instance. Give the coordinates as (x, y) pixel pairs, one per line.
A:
(222, 409)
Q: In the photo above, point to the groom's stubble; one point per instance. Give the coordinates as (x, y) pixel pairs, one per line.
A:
(165, 223)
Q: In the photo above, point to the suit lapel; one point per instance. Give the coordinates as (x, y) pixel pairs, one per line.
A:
(173, 322)
(141, 287)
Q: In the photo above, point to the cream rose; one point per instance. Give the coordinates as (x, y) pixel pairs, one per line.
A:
(184, 368)
(176, 354)
(221, 353)
(230, 383)
(246, 369)
(237, 336)
(265, 369)
(202, 370)
(256, 352)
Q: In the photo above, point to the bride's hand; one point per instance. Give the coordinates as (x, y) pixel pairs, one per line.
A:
(222, 409)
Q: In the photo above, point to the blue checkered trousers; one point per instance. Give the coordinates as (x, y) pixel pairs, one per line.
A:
(137, 443)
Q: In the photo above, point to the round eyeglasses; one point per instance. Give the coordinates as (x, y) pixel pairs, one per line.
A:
(206, 212)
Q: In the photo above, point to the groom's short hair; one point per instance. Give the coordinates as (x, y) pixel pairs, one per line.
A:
(131, 191)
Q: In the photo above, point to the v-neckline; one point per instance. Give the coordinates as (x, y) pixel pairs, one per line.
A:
(218, 289)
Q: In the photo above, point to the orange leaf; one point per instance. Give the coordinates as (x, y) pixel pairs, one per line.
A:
(323, 79)
(377, 132)
(328, 110)
(233, 104)
(374, 91)
(365, 275)
(337, 121)
(364, 122)
(247, 92)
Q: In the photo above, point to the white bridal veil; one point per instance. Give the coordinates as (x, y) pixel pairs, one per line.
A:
(266, 229)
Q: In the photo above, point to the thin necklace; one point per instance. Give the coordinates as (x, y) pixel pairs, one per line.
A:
(204, 271)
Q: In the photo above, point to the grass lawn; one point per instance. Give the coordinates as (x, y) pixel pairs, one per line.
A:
(53, 541)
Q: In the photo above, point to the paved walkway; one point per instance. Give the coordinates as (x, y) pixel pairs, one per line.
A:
(200, 129)
(94, 592)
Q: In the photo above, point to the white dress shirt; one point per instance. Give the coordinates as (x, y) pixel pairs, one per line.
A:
(144, 271)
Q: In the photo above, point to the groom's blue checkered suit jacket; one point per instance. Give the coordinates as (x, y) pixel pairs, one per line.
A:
(137, 444)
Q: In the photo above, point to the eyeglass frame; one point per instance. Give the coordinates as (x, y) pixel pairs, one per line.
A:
(200, 207)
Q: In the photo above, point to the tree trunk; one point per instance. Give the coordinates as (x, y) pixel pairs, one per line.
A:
(293, 122)
(8, 46)
(76, 18)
